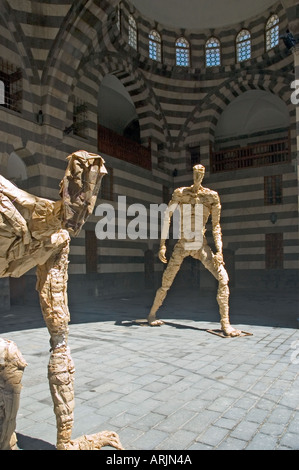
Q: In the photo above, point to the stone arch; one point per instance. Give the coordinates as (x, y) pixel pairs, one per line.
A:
(205, 116)
(116, 108)
(16, 168)
(32, 162)
(68, 52)
(78, 56)
(29, 163)
(144, 99)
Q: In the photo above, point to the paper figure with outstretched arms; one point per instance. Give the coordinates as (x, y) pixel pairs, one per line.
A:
(35, 232)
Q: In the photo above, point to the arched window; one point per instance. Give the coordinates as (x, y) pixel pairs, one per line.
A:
(2, 92)
(272, 32)
(155, 46)
(243, 45)
(182, 49)
(213, 56)
(132, 32)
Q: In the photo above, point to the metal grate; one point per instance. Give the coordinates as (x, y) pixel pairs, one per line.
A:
(80, 116)
(263, 154)
(11, 87)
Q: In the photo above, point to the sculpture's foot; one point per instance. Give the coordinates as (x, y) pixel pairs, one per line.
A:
(93, 442)
(153, 321)
(230, 331)
(14, 442)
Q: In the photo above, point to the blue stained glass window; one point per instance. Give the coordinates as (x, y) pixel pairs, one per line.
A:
(155, 46)
(182, 52)
(272, 32)
(213, 55)
(243, 43)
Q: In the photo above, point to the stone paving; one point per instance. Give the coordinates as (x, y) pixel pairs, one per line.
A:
(175, 387)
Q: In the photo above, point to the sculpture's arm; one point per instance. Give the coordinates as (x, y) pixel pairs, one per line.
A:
(216, 227)
(14, 218)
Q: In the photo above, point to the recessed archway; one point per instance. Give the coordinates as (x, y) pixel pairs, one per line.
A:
(204, 119)
(116, 109)
(255, 112)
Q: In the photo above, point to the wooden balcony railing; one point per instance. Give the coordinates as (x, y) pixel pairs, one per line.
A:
(117, 146)
(262, 154)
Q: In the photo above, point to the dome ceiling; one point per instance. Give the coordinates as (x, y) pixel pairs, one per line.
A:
(201, 14)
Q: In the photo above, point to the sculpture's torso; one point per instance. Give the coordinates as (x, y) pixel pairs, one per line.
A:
(190, 197)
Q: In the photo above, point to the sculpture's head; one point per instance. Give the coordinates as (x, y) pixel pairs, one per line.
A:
(198, 174)
(79, 188)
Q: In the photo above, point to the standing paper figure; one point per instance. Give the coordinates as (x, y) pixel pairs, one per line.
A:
(195, 245)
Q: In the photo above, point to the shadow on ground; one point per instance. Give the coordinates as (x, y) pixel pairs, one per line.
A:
(272, 309)
(30, 443)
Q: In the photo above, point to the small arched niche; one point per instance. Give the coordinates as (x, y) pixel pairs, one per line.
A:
(16, 169)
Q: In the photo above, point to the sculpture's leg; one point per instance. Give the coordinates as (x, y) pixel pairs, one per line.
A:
(223, 302)
(52, 286)
(168, 277)
(206, 256)
(12, 366)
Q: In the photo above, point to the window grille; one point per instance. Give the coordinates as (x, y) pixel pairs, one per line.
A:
(80, 113)
(243, 43)
(273, 189)
(257, 155)
(11, 87)
(272, 32)
(132, 32)
(155, 46)
(213, 55)
(182, 52)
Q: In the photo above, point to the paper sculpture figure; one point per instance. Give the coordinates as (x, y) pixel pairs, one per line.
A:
(35, 232)
(12, 365)
(186, 246)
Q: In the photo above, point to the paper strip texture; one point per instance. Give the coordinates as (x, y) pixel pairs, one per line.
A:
(35, 232)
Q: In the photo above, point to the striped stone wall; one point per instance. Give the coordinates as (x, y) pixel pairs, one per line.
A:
(65, 49)
(192, 102)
